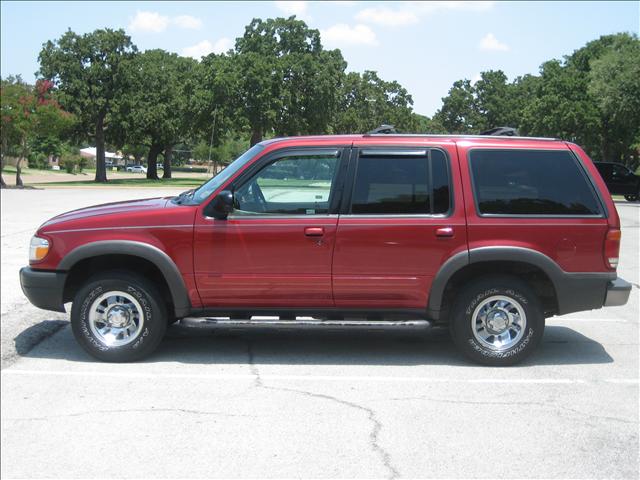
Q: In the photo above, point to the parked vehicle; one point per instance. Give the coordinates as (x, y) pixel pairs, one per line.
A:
(620, 180)
(137, 169)
(488, 235)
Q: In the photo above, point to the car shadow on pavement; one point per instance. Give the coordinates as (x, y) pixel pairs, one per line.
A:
(560, 346)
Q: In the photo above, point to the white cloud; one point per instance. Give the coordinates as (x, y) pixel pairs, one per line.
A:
(342, 34)
(409, 13)
(387, 17)
(490, 43)
(149, 22)
(205, 47)
(299, 9)
(188, 22)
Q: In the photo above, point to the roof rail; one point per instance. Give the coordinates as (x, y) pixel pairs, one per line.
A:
(501, 131)
(385, 129)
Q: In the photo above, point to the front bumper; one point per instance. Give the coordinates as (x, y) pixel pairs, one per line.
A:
(44, 289)
(618, 292)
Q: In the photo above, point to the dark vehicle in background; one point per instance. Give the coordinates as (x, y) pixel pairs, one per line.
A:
(620, 180)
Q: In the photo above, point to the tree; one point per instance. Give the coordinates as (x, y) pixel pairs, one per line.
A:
(157, 110)
(89, 72)
(286, 80)
(458, 113)
(29, 112)
(367, 101)
(614, 84)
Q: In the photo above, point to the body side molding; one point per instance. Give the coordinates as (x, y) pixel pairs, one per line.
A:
(160, 259)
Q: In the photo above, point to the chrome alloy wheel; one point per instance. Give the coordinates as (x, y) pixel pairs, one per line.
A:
(498, 322)
(116, 318)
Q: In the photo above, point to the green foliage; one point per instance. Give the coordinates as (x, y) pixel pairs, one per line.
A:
(159, 109)
(592, 98)
(89, 72)
(367, 101)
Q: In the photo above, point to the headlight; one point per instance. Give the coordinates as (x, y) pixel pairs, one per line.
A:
(38, 249)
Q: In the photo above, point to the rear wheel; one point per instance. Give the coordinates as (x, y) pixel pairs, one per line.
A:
(497, 321)
(118, 317)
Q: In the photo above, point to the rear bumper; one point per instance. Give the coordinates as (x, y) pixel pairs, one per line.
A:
(618, 292)
(44, 289)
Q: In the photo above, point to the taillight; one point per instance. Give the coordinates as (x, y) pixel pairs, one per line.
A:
(612, 247)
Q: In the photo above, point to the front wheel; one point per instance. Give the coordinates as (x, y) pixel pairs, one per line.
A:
(497, 321)
(632, 198)
(118, 317)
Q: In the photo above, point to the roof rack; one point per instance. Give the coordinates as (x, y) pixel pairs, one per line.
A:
(501, 131)
(383, 129)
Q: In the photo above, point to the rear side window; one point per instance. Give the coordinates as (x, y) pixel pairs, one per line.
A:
(401, 184)
(530, 182)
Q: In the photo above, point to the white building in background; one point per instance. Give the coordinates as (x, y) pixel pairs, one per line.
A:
(110, 157)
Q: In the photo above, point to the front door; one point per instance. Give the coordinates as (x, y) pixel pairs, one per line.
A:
(402, 221)
(275, 248)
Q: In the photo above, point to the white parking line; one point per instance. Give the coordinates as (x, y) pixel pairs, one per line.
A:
(338, 378)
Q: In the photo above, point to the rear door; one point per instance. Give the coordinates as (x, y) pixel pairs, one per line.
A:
(401, 219)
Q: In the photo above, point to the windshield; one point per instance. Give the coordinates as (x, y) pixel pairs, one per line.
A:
(205, 190)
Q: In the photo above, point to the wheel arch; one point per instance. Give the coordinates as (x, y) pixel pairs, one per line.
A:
(131, 255)
(542, 274)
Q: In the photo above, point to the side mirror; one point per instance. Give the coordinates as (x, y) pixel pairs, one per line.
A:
(221, 206)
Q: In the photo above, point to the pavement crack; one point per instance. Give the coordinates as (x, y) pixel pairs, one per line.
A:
(374, 434)
(534, 404)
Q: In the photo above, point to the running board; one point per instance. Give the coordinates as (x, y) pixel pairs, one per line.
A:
(306, 324)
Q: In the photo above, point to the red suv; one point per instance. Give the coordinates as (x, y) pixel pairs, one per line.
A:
(489, 235)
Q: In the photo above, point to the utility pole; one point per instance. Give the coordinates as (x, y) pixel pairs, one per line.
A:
(213, 127)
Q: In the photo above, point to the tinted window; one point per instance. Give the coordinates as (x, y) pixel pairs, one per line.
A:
(396, 184)
(290, 186)
(525, 182)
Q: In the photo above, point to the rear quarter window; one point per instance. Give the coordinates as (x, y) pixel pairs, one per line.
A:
(531, 182)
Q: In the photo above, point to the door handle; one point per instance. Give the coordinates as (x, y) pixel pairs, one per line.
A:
(314, 231)
(444, 232)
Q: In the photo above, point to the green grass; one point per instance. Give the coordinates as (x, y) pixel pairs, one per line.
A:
(129, 182)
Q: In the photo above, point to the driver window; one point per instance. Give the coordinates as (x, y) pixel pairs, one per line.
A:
(289, 186)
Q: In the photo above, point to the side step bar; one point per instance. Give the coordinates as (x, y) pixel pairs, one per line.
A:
(303, 323)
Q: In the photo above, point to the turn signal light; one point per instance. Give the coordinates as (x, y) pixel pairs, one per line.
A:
(38, 249)
(612, 247)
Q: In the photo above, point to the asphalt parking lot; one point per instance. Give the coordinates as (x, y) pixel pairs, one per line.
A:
(240, 404)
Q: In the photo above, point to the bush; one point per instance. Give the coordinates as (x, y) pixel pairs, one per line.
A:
(71, 161)
(38, 160)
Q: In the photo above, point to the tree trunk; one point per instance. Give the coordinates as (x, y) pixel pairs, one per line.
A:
(256, 134)
(18, 172)
(152, 162)
(23, 154)
(4, 149)
(168, 156)
(101, 168)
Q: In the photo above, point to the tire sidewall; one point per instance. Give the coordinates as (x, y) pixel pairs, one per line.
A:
(153, 311)
(462, 321)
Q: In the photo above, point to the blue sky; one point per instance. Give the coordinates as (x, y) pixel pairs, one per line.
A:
(425, 46)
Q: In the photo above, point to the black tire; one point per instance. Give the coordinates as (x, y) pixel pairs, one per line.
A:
(632, 198)
(473, 296)
(153, 314)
